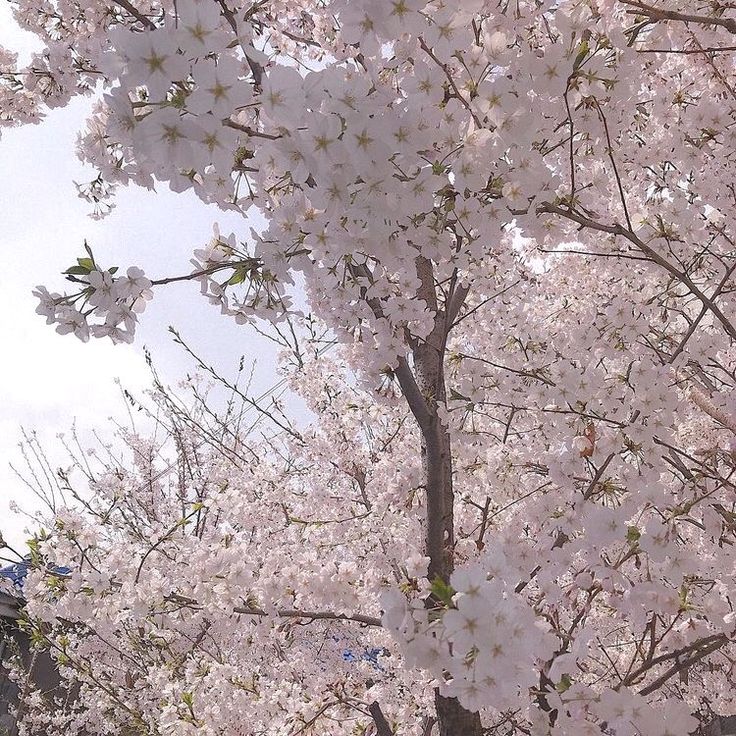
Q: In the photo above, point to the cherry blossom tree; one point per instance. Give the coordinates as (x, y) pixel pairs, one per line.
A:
(514, 219)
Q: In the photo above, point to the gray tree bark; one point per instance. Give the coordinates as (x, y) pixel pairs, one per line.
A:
(425, 391)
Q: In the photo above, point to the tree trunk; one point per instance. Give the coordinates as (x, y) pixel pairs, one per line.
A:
(454, 720)
(429, 368)
(423, 386)
(428, 358)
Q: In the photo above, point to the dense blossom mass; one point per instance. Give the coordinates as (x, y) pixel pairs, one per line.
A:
(515, 219)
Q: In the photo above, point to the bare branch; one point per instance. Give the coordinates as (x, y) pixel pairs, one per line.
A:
(680, 666)
(655, 14)
(312, 615)
(653, 255)
(147, 22)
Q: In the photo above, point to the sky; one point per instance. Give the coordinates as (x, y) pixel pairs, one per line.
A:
(49, 382)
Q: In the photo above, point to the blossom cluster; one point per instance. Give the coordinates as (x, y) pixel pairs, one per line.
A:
(256, 551)
(114, 302)
(484, 647)
(515, 220)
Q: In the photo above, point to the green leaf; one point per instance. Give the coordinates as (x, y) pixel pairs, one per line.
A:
(77, 271)
(633, 535)
(583, 50)
(443, 591)
(564, 684)
(87, 263)
(38, 640)
(237, 278)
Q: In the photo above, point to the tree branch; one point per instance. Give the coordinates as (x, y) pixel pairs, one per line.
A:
(382, 726)
(679, 666)
(313, 615)
(455, 303)
(402, 371)
(653, 255)
(147, 22)
(660, 14)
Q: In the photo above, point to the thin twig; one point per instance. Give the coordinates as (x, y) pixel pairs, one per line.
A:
(313, 615)
(147, 22)
(660, 14)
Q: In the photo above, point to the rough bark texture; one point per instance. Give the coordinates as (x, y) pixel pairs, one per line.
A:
(719, 726)
(437, 467)
(454, 720)
(428, 358)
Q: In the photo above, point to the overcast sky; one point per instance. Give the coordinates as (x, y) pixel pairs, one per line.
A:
(48, 381)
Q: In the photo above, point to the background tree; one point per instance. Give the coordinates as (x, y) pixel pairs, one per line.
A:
(517, 213)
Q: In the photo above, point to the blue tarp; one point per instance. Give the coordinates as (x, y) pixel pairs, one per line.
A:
(368, 655)
(16, 573)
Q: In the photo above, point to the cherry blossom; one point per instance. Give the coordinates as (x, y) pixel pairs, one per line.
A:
(512, 221)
